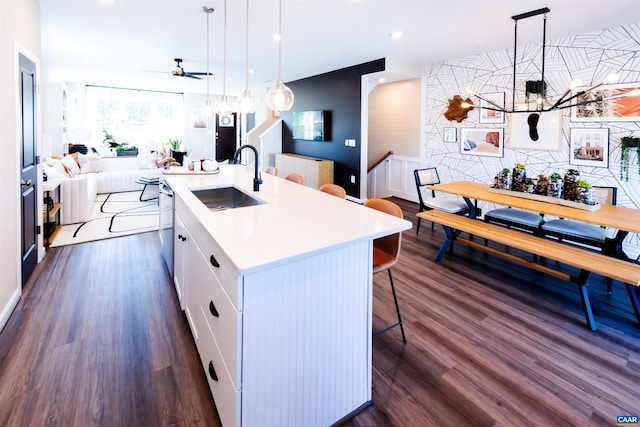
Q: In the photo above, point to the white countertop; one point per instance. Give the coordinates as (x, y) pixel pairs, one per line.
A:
(294, 221)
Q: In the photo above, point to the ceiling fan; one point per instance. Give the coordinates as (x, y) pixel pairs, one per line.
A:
(178, 71)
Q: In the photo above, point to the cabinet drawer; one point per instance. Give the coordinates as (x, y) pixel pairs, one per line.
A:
(224, 323)
(225, 395)
(222, 268)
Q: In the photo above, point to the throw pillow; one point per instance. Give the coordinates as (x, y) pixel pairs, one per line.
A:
(147, 161)
(70, 163)
(88, 163)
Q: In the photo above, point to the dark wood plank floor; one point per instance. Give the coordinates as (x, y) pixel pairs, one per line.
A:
(98, 339)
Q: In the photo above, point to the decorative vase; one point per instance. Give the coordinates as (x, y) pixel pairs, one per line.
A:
(542, 186)
(502, 180)
(569, 184)
(519, 179)
(555, 188)
(178, 156)
(585, 195)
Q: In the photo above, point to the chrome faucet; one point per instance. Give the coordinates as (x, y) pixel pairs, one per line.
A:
(257, 179)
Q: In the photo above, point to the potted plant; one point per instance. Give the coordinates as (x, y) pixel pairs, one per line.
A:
(176, 152)
(519, 177)
(584, 192)
(108, 139)
(127, 150)
(555, 185)
(502, 180)
(542, 185)
(626, 143)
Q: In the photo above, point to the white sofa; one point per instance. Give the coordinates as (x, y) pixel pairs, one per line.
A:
(108, 175)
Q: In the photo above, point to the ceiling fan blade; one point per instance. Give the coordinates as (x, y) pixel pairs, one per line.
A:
(191, 76)
(200, 74)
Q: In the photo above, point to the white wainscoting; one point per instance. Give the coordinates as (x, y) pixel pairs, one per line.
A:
(394, 177)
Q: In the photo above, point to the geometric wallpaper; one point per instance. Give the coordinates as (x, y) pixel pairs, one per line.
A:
(589, 57)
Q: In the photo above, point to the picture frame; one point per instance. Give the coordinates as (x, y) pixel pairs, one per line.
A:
(542, 133)
(450, 134)
(491, 116)
(482, 141)
(199, 121)
(226, 120)
(608, 110)
(589, 147)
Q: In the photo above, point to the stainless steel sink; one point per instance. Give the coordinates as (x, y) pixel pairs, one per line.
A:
(217, 199)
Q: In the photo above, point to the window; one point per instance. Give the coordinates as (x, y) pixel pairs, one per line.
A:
(146, 119)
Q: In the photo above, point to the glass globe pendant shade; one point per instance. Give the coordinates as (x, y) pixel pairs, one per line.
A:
(224, 107)
(207, 108)
(244, 103)
(280, 97)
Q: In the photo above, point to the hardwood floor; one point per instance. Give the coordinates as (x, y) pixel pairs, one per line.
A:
(98, 339)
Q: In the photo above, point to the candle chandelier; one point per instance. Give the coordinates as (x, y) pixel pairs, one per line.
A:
(572, 97)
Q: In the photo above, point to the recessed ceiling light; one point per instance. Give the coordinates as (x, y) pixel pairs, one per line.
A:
(396, 35)
(277, 37)
(382, 80)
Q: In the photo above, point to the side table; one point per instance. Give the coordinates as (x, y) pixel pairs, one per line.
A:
(51, 210)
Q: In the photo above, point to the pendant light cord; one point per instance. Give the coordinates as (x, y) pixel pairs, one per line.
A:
(246, 49)
(279, 40)
(224, 54)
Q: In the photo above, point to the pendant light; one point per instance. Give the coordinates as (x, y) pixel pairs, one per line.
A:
(223, 107)
(244, 103)
(280, 97)
(207, 108)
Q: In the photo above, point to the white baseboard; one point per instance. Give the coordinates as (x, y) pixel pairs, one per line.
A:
(8, 308)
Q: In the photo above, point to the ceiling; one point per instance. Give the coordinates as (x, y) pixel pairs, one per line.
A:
(132, 43)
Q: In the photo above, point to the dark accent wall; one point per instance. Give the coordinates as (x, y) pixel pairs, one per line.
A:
(338, 94)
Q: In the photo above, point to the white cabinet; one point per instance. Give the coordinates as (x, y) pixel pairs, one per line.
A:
(179, 259)
(288, 344)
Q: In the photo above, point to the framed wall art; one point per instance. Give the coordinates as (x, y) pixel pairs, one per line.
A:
(482, 142)
(616, 108)
(491, 116)
(536, 130)
(450, 135)
(199, 121)
(589, 147)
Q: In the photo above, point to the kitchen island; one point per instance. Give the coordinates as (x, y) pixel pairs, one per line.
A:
(278, 297)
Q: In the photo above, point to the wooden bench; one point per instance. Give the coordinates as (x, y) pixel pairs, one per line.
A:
(587, 261)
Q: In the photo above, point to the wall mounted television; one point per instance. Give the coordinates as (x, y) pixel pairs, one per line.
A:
(309, 125)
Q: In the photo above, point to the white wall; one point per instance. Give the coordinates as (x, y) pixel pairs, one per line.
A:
(19, 31)
(394, 119)
(199, 143)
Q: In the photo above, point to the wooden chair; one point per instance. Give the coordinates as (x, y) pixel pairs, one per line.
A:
(386, 251)
(429, 176)
(581, 233)
(271, 170)
(295, 177)
(334, 190)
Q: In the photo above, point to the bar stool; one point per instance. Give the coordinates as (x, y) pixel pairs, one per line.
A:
(334, 190)
(386, 251)
(295, 177)
(271, 170)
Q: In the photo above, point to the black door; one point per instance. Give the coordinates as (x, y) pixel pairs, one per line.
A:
(225, 136)
(28, 167)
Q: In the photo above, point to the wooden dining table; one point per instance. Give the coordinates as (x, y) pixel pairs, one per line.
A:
(624, 220)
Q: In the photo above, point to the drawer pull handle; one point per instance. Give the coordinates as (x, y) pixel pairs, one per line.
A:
(212, 372)
(212, 309)
(214, 262)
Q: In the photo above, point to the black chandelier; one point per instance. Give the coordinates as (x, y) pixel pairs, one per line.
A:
(539, 87)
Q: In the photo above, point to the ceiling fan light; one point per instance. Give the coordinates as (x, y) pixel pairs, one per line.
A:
(244, 103)
(280, 97)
